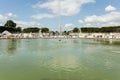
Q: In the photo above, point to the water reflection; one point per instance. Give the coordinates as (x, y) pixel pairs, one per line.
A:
(108, 41)
(66, 63)
(75, 41)
(11, 46)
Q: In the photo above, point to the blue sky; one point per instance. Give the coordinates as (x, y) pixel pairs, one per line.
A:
(74, 13)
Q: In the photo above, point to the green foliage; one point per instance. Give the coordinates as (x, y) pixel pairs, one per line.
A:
(44, 30)
(75, 30)
(110, 29)
(10, 23)
(90, 29)
(10, 29)
(18, 30)
(13, 30)
(33, 30)
(102, 29)
(2, 28)
(65, 32)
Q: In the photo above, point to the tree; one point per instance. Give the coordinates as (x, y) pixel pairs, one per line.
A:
(10, 23)
(2, 28)
(33, 30)
(75, 30)
(18, 29)
(66, 32)
(90, 29)
(44, 30)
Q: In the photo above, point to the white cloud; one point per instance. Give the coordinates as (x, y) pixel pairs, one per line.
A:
(110, 8)
(69, 26)
(112, 16)
(25, 24)
(42, 16)
(11, 14)
(109, 19)
(65, 7)
(3, 18)
(80, 21)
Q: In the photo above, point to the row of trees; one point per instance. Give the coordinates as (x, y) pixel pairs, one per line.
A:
(102, 29)
(35, 30)
(11, 27)
(94, 30)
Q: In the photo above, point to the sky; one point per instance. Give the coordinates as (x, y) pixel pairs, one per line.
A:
(70, 13)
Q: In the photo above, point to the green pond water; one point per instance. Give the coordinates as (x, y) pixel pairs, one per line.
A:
(51, 59)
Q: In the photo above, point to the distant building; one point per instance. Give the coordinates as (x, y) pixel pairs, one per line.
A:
(6, 33)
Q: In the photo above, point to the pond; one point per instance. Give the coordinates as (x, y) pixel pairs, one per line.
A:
(52, 59)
